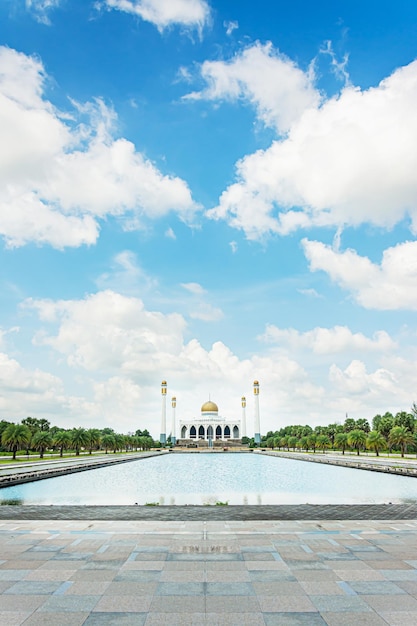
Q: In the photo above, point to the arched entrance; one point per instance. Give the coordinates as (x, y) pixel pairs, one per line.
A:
(201, 432)
(184, 432)
(226, 432)
(218, 432)
(210, 432)
(193, 433)
(235, 432)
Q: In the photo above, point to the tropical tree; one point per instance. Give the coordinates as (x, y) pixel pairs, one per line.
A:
(15, 437)
(323, 442)
(79, 439)
(386, 423)
(34, 424)
(312, 442)
(349, 425)
(119, 442)
(62, 441)
(284, 442)
(363, 424)
(93, 437)
(41, 440)
(107, 442)
(304, 443)
(357, 439)
(292, 442)
(341, 441)
(375, 441)
(404, 419)
(402, 437)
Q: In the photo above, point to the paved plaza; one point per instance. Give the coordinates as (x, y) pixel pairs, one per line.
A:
(277, 572)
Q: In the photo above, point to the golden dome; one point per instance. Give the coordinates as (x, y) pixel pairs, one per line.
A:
(164, 382)
(209, 407)
(255, 382)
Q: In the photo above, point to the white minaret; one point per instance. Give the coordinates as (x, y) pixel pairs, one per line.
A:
(173, 435)
(163, 437)
(257, 421)
(243, 433)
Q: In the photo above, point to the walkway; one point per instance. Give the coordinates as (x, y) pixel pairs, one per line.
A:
(268, 573)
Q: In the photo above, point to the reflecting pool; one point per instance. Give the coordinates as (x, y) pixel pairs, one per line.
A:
(216, 477)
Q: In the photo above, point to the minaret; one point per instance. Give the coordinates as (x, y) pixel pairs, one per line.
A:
(243, 433)
(257, 422)
(163, 437)
(173, 436)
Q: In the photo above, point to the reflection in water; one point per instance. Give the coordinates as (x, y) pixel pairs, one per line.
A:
(211, 478)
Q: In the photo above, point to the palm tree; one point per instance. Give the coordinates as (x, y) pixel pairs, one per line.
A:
(79, 439)
(357, 439)
(312, 442)
(62, 440)
(401, 436)
(119, 442)
(341, 441)
(375, 441)
(292, 442)
(107, 442)
(15, 437)
(284, 442)
(41, 440)
(323, 442)
(93, 436)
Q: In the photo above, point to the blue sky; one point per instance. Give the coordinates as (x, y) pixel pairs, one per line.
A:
(207, 192)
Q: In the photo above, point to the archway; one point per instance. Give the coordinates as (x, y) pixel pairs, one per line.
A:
(201, 432)
(193, 433)
(235, 432)
(226, 432)
(210, 432)
(184, 432)
(218, 432)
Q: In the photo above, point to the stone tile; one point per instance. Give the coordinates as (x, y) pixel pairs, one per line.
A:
(232, 604)
(55, 619)
(123, 604)
(358, 619)
(72, 604)
(323, 588)
(333, 604)
(180, 589)
(175, 619)
(360, 574)
(229, 589)
(116, 619)
(134, 575)
(402, 618)
(293, 619)
(278, 588)
(376, 588)
(25, 604)
(87, 588)
(13, 575)
(271, 576)
(50, 575)
(13, 618)
(242, 619)
(184, 576)
(33, 588)
(284, 604)
(388, 603)
(178, 604)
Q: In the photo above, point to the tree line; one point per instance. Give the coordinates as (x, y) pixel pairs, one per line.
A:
(37, 435)
(388, 433)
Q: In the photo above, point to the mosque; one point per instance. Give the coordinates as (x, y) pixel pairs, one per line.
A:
(209, 428)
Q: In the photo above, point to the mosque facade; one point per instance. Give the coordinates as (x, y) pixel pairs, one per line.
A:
(209, 427)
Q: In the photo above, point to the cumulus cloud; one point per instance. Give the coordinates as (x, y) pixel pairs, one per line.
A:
(60, 176)
(328, 340)
(165, 13)
(345, 160)
(124, 351)
(391, 285)
(270, 81)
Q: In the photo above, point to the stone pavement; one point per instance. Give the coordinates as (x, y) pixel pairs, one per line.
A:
(223, 573)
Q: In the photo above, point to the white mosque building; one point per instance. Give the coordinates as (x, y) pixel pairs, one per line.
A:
(209, 426)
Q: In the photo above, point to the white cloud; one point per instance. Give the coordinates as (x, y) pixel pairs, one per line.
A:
(126, 275)
(334, 340)
(347, 160)
(230, 26)
(59, 177)
(194, 288)
(170, 234)
(207, 313)
(270, 81)
(121, 352)
(41, 9)
(165, 13)
(391, 285)
(233, 246)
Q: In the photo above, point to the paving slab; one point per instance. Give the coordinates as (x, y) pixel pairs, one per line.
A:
(208, 573)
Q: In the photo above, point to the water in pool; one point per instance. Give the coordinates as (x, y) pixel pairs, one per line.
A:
(211, 478)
